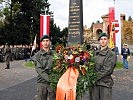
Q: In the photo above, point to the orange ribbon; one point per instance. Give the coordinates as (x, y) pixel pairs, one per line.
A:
(66, 87)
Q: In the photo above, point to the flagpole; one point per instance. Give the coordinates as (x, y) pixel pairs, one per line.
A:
(114, 3)
(118, 18)
(34, 45)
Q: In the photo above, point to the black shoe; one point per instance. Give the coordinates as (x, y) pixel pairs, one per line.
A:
(7, 68)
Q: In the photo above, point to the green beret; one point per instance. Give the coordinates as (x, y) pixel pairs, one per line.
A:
(45, 37)
(103, 34)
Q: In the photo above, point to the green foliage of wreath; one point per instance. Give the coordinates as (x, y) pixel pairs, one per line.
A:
(84, 82)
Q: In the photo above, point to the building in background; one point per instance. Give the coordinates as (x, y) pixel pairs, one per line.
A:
(91, 34)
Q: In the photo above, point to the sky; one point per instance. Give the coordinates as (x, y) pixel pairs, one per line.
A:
(92, 10)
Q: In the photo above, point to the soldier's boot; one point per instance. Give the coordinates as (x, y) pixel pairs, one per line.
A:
(7, 67)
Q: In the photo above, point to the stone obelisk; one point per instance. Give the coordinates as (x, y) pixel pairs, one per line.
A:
(75, 25)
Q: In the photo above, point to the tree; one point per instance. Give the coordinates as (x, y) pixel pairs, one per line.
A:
(64, 36)
(92, 26)
(130, 18)
(30, 16)
(55, 34)
(97, 21)
(7, 14)
(21, 20)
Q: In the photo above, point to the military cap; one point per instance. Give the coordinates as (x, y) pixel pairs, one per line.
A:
(103, 34)
(45, 37)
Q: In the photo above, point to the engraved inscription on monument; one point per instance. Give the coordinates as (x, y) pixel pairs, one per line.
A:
(75, 28)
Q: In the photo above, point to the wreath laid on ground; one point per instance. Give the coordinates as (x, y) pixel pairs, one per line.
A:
(78, 57)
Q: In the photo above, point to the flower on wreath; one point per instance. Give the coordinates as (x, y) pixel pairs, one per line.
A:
(73, 57)
(59, 48)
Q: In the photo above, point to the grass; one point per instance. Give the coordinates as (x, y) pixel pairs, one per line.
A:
(119, 65)
(29, 64)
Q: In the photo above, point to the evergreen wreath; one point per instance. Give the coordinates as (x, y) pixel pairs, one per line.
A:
(80, 58)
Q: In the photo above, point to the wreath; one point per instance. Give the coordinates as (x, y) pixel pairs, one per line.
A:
(81, 59)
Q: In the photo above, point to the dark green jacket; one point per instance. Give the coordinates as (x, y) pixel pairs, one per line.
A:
(43, 63)
(105, 61)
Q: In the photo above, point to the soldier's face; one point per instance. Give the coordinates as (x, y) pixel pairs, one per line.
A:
(103, 41)
(46, 43)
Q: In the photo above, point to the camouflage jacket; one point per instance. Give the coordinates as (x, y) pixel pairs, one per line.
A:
(43, 63)
(7, 52)
(105, 61)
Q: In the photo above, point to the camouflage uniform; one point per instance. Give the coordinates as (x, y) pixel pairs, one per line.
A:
(105, 61)
(43, 62)
(16, 53)
(7, 52)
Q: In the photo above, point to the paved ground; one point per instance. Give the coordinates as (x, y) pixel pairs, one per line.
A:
(17, 74)
(123, 82)
(19, 82)
(123, 87)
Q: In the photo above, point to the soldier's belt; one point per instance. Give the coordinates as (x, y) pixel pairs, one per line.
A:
(124, 53)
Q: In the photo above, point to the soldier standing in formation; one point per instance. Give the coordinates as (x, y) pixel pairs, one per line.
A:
(105, 61)
(7, 52)
(43, 62)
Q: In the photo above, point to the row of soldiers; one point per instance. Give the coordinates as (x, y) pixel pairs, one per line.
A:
(21, 52)
(17, 52)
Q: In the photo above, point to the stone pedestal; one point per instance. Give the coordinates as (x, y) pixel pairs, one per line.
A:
(75, 27)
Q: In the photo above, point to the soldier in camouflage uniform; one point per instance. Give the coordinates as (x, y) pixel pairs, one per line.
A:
(16, 52)
(12, 52)
(105, 61)
(7, 52)
(43, 62)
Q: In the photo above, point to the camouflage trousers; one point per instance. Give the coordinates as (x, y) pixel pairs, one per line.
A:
(44, 92)
(100, 93)
(7, 60)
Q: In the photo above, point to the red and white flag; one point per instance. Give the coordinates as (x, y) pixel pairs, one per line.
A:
(44, 25)
(115, 23)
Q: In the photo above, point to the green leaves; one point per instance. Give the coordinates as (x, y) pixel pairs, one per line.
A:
(85, 80)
